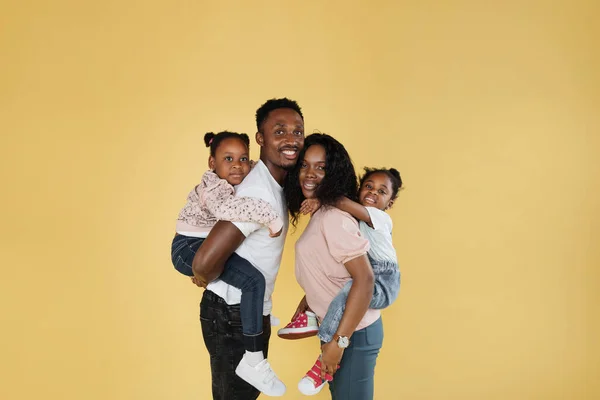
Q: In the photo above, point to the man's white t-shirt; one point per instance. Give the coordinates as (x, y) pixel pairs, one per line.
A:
(263, 251)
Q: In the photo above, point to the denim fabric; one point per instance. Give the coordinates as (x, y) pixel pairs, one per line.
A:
(183, 250)
(385, 292)
(222, 332)
(355, 380)
(238, 272)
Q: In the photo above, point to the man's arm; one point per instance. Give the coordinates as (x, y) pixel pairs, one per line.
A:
(219, 245)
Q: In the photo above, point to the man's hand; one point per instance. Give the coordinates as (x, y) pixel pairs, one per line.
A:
(330, 358)
(309, 206)
(199, 282)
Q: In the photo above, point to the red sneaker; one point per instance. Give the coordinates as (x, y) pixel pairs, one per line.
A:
(305, 325)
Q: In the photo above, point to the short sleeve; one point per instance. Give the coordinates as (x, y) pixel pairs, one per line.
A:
(247, 227)
(380, 219)
(343, 237)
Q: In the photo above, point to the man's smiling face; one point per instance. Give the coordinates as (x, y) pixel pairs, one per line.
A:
(282, 137)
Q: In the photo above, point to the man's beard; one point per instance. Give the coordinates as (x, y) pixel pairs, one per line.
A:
(289, 168)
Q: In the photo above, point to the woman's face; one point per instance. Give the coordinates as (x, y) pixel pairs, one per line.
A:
(312, 170)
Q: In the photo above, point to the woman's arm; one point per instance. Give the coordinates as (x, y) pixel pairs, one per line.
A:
(357, 305)
(359, 296)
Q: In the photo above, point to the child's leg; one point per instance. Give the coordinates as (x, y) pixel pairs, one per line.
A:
(387, 283)
(334, 314)
(241, 274)
(183, 250)
(253, 368)
(385, 291)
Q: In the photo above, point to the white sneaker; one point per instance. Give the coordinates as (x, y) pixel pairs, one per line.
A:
(261, 377)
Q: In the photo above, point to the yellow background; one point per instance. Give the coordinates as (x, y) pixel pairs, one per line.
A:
(489, 110)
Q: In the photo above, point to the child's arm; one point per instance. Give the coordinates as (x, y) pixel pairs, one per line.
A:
(222, 203)
(355, 209)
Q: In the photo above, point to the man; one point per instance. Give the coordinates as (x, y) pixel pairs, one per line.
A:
(280, 136)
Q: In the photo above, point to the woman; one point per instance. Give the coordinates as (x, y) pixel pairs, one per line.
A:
(329, 253)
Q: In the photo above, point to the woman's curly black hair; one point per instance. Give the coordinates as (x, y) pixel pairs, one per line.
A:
(340, 178)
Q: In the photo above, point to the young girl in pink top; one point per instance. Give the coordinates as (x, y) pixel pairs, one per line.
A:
(212, 200)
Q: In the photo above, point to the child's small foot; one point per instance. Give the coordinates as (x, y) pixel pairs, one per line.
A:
(304, 325)
(261, 377)
(312, 383)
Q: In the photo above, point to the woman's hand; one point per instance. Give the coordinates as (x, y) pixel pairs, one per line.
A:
(330, 358)
(302, 307)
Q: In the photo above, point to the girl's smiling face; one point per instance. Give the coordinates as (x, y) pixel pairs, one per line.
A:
(376, 191)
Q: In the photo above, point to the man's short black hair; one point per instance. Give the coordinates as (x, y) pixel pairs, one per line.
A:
(274, 104)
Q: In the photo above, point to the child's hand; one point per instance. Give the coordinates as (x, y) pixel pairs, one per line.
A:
(275, 234)
(252, 164)
(275, 227)
(309, 206)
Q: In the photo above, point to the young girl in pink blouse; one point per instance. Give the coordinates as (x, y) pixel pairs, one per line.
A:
(212, 200)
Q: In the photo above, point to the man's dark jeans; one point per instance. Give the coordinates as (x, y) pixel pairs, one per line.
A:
(238, 272)
(222, 332)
